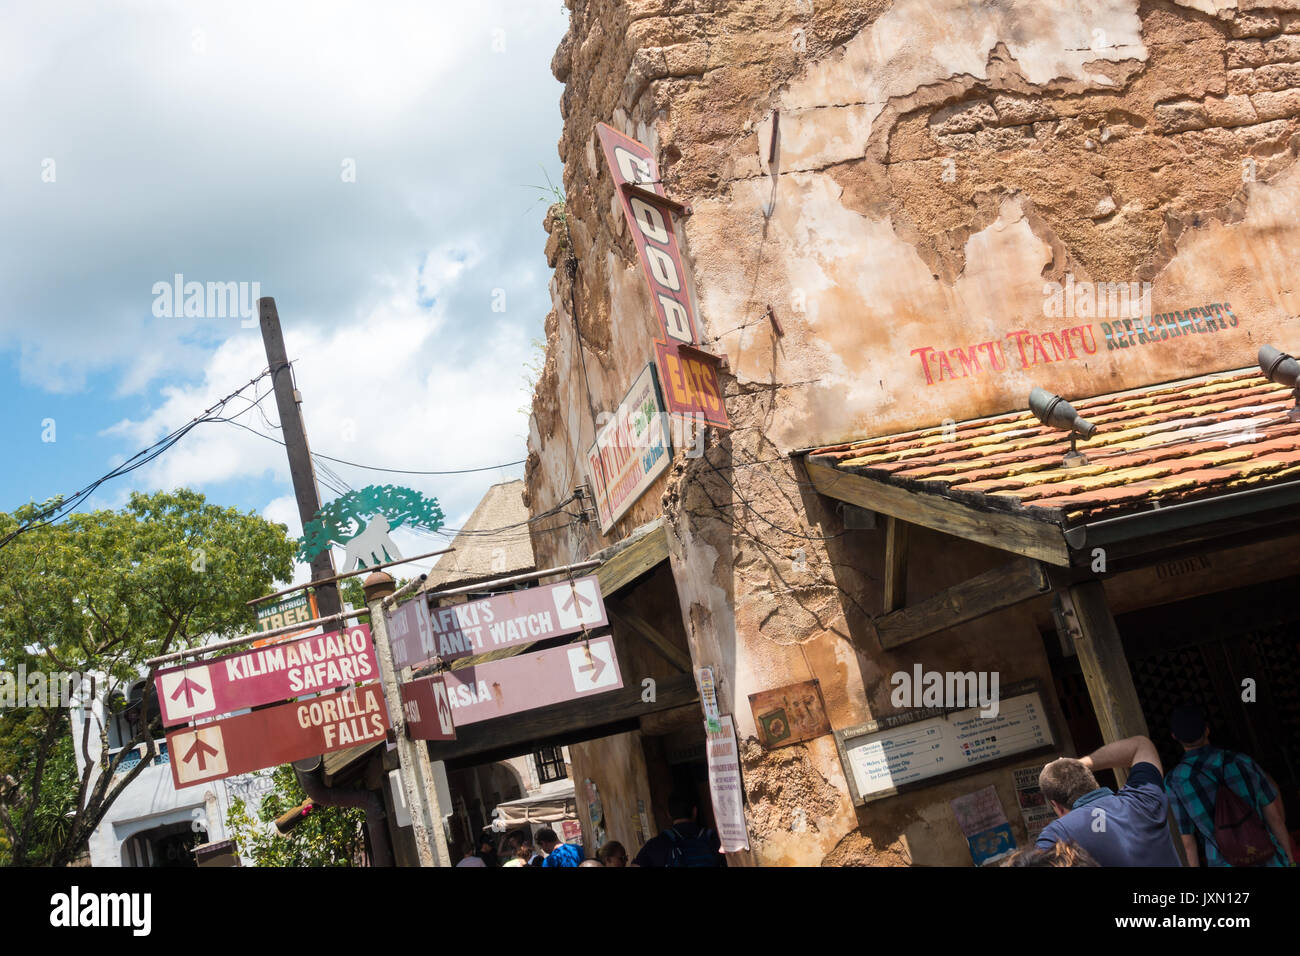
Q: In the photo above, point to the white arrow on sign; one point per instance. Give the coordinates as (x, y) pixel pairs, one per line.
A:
(444, 707)
(577, 604)
(187, 692)
(592, 666)
(199, 755)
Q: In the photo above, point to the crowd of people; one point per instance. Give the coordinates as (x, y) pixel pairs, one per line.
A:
(1226, 807)
(684, 843)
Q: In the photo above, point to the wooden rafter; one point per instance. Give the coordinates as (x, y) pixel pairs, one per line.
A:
(983, 594)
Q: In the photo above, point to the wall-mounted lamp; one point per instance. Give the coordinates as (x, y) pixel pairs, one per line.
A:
(1281, 368)
(1055, 412)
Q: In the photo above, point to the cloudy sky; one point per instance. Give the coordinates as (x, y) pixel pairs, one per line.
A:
(370, 165)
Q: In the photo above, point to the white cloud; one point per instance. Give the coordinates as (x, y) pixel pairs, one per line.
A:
(394, 389)
(209, 139)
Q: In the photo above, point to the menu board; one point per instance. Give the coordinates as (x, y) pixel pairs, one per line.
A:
(884, 756)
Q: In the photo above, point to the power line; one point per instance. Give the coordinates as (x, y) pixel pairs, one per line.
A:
(395, 471)
(138, 460)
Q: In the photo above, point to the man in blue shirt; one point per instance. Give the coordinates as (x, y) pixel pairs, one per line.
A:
(1129, 828)
(1194, 785)
(557, 853)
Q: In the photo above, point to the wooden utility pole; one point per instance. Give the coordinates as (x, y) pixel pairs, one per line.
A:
(288, 401)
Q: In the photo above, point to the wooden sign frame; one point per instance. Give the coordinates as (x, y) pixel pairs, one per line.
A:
(845, 740)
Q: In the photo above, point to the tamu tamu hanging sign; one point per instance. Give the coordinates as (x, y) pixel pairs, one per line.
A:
(690, 376)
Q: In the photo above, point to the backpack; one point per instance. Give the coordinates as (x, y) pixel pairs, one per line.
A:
(692, 851)
(1239, 833)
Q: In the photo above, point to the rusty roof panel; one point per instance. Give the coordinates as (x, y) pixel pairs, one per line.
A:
(1174, 442)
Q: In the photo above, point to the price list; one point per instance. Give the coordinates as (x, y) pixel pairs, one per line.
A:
(888, 759)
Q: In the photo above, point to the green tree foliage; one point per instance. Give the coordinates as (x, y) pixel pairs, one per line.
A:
(342, 518)
(100, 593)
(326, 836)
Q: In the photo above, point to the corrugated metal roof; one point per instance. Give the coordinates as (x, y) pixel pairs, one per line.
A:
(1165, 444)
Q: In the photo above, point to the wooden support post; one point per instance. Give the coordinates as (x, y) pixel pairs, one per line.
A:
(1086, 615)
(895, 563)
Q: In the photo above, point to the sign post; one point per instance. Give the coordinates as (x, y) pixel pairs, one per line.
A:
(421, 795)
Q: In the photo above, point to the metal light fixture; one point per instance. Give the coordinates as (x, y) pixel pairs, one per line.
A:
(1281, 368)
(1055, 412)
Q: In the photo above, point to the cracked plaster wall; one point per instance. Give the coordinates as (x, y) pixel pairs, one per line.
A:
(938, 162)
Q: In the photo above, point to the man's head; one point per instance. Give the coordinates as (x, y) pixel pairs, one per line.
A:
(590, 863)
(1188, 727)
(681, 807)
(547, 840)
(1063, 781)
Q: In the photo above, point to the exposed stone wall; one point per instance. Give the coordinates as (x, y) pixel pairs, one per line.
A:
(938, 163)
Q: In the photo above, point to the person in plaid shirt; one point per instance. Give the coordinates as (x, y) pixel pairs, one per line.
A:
(1194, 783)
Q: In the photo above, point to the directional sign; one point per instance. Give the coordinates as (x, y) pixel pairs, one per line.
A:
(516, 617)
(299, 608)
(277, 735)
(529, 681)
(427, 710)
(266, 675)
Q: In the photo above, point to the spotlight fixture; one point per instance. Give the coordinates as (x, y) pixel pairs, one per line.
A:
(1055, 412)
(1281, 368)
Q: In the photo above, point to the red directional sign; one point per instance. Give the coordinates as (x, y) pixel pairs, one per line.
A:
(277, 735)
(427, 710)
(266, 675)
(516, 617)
(529, 681)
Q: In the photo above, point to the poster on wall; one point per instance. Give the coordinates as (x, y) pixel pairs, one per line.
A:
(723, 758)
(984, 823)
(630, 451)
(595, 813)
(790, 714)
(708, 698)
(1035, 811)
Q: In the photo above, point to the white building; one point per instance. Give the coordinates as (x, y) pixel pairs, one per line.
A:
(152, 823)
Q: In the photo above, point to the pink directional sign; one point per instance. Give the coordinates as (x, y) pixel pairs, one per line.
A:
(266, 675)
(529, 681)
(277, 735)
(517, 617)
(426, 709)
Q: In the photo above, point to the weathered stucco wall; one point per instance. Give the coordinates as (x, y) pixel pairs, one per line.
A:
(948, 178)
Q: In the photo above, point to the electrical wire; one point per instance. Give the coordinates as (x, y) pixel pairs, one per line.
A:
(396, 471)
(139, 459)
